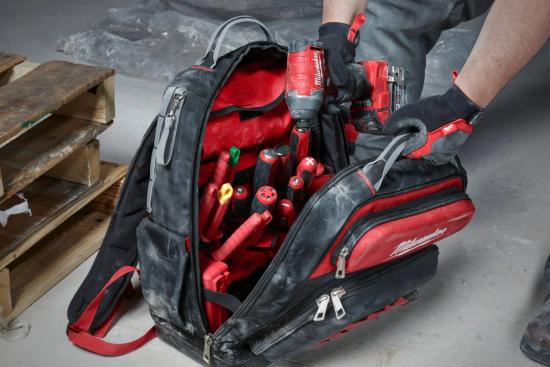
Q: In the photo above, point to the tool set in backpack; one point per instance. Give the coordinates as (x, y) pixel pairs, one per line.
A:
(255, 236)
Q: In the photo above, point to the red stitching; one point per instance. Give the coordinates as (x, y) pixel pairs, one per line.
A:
(367, 181)
(200, 67)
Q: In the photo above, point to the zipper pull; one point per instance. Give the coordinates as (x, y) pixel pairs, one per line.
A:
(341, 264)
(322, 302)
(336, 294)
(207, 345)
(175, 103)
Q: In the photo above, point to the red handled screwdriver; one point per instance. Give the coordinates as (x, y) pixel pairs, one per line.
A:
(307, 169)
(285, 215)
(211, 231)
(219, 174)
(264, 200)
(240, 203)
(266, 169)
(296, 190)
(285, 168)
(300, 143)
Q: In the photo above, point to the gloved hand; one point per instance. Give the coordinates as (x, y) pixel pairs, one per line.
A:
(339, 51)
(440, 125)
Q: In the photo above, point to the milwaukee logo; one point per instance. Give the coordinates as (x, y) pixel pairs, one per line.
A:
(448, 128)
(318, 73)
(409, 245)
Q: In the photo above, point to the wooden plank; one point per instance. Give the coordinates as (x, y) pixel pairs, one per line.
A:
(42, 91)
(16, 72)
(105, 203)
(81, 166)
(38, 150)
(54, 257)
(98, 104)
(23, 231)
(8, 60)
(5, 293)
(1, 184)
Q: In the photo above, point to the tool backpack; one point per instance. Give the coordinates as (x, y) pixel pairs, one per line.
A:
(362, 243)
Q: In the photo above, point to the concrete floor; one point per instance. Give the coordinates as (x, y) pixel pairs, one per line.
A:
(473, 313)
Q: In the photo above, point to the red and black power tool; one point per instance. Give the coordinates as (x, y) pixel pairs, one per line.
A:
(308, 84)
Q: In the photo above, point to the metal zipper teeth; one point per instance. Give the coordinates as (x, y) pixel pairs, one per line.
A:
(292, 233)
(349, 286)
(391, 213)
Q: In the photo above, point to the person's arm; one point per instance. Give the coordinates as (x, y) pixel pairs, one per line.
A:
(338, 15)
(342, 11)
(512, 34)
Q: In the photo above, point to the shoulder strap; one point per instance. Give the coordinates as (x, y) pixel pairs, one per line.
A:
(78, 332)
(119, 247)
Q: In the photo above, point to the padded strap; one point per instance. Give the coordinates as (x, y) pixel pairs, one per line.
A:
(213, 49)
(78, 333)
(224, 299)
(376, 170)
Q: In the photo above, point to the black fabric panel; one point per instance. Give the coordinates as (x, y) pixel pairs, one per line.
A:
(119, 247)
(334, 152)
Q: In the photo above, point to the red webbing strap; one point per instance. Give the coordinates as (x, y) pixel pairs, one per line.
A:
(357, 23)
(102, 329)
(78, 333)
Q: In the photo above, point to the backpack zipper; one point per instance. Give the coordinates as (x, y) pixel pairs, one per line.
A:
(348, 242)
(322, 303)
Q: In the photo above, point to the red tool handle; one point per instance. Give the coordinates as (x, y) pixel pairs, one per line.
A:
(220, 171)
(307, 170)
(357, 23)
(208, 198)
(300, 144)
(252, 228)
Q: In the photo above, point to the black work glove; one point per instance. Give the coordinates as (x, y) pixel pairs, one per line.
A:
(440, 125)
(338, 52)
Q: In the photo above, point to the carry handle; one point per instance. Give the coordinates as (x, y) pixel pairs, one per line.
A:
(213, 49)
(376, 170)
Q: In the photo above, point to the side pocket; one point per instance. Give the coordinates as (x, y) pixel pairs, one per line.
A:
(334, 152)
(163, 259)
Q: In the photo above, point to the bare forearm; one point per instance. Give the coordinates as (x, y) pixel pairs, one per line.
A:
(342, 11)
(512, 34)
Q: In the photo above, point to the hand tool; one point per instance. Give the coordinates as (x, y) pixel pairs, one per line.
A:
(247, 234)
(240, 203)
(307, 169)
(215, 277)
(285, 168)
(234, 155)
(296, 190)
(208, 198)
(211, 229)
(300, 143)
(219, 174)
(266, 169)
(264, 200)
(285, 215)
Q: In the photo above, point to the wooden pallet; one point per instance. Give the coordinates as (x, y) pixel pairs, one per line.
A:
(50, 115)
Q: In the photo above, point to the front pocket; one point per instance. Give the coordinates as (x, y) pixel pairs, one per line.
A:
(163, 260)
(316, 319)
(387, 235)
